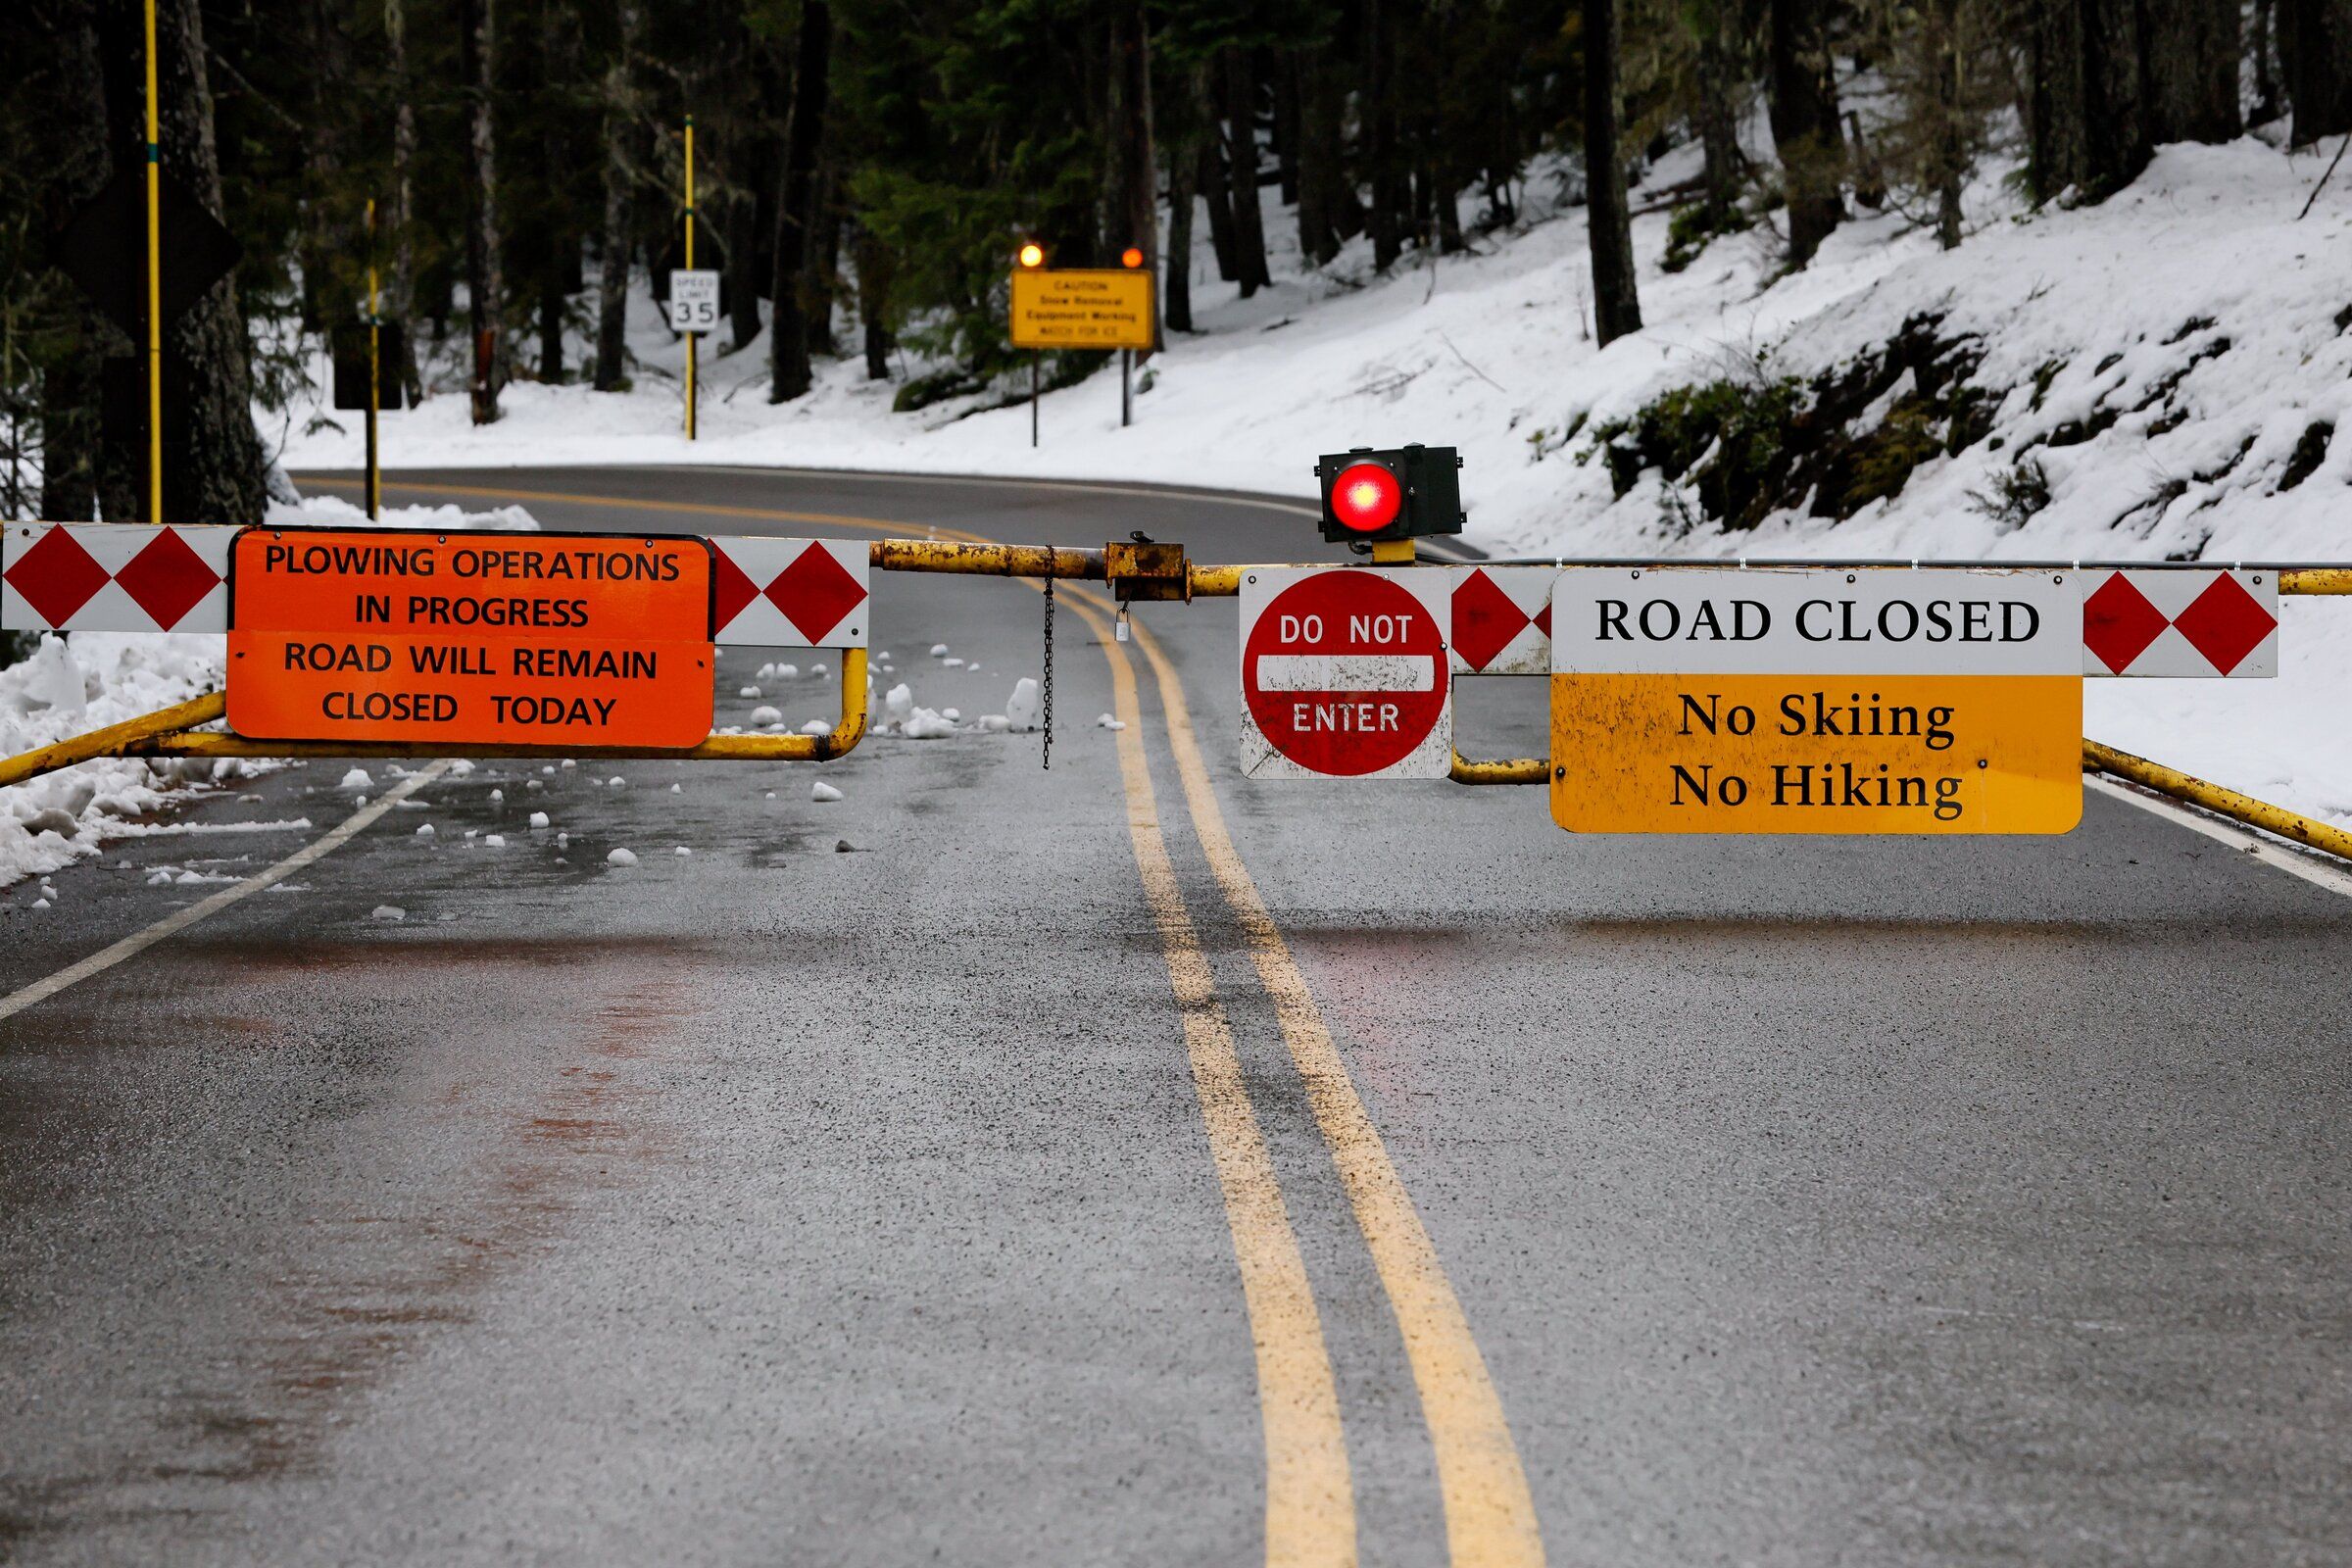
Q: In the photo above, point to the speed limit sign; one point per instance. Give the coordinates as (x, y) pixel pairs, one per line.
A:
(693, 301)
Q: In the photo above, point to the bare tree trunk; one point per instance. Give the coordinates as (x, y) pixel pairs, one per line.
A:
(743, 261)
(1318, 159)
(1241, 149)
(1950, 147)
(327, 73)
(557, 246)
(2315, 53)
(1135, 185)
(790, 371)
(1617, 305)
(485, 286)
(614, 248)
(1723, 170)
(1209, 162)
(871, 258)
(2265, 77)
(1802, 88)
(399, 304)
(2190, 50)
(1287, 117)
(78, 169)
(1380, 123)
(1184, 167)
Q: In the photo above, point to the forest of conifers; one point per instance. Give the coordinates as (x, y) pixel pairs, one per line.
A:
(866, 167)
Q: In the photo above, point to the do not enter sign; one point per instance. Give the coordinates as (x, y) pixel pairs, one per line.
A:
(1344, 673)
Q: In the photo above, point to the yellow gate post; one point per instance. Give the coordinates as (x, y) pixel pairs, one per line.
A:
(155, 289)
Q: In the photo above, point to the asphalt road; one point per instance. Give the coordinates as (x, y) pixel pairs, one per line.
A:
(1129, 1163)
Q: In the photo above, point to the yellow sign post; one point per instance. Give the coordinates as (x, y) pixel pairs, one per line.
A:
(1786, 700)
(154, 287)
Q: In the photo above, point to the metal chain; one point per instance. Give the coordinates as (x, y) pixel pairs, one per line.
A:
(1048, 669)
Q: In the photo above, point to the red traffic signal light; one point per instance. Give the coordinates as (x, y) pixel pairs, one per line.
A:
(1132, 256)
(1365, 498)
(1400, 492)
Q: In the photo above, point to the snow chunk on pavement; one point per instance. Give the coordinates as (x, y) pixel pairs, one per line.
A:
(1108, 722)
(496, 841)
(749, 691)
(822, 791)
(356, 779)
(538, 819)
(939, 650)
(818, 726)
(788, 672)
(768, 715)
(994, 723)
(952, 664)
(681, 850)
(620, 857)
(1022, 707)
(425, 830)
(925, 725)
(898, 703)
(392, 912)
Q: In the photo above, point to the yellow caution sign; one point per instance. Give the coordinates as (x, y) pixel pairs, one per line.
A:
(1082, 308)
(1785, 700)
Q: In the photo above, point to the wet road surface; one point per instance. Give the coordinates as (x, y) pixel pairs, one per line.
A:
(1129, 1163)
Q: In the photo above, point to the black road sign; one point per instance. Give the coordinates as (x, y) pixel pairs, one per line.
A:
(351, 366)
(103, 247)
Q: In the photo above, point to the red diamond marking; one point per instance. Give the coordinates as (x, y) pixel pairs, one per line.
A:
(56, 576)
(166, 578)
(1484, 621)
(2119, 623)
(2226, 623)
(1544, 621)
(732, 590)
(816, 592)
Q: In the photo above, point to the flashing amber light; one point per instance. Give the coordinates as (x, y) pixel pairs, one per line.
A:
(1033, 255)
(1131, 257)
(1367, 498)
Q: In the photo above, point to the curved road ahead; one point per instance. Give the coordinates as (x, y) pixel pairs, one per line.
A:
(1127, 1162)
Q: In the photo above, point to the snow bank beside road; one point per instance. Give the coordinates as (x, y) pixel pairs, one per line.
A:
(88, 680)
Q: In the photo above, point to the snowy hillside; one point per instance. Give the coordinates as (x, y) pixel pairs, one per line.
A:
(2159, 377)
(2169, 361)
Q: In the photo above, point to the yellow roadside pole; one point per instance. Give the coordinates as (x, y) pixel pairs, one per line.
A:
(376, 478)
(154, 290)
(690, 337)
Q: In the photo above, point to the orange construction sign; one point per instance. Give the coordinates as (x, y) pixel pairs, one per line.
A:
(485, 639)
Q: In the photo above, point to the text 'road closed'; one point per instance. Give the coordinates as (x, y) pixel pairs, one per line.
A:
(1816, 701)
(487, 639)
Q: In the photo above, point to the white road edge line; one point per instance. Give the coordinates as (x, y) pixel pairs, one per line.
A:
(180, 920)
(2223, 831)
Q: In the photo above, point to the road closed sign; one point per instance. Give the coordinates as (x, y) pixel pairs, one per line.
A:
(1789, 700)
(470, 638)
(1345, 673)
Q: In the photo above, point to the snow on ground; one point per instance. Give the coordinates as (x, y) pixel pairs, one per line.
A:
(69, 686)
(2189, 323)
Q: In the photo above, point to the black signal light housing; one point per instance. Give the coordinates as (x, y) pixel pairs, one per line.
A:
(1407, 492)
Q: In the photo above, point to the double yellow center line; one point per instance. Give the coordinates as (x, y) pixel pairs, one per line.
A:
(1310, 1503)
